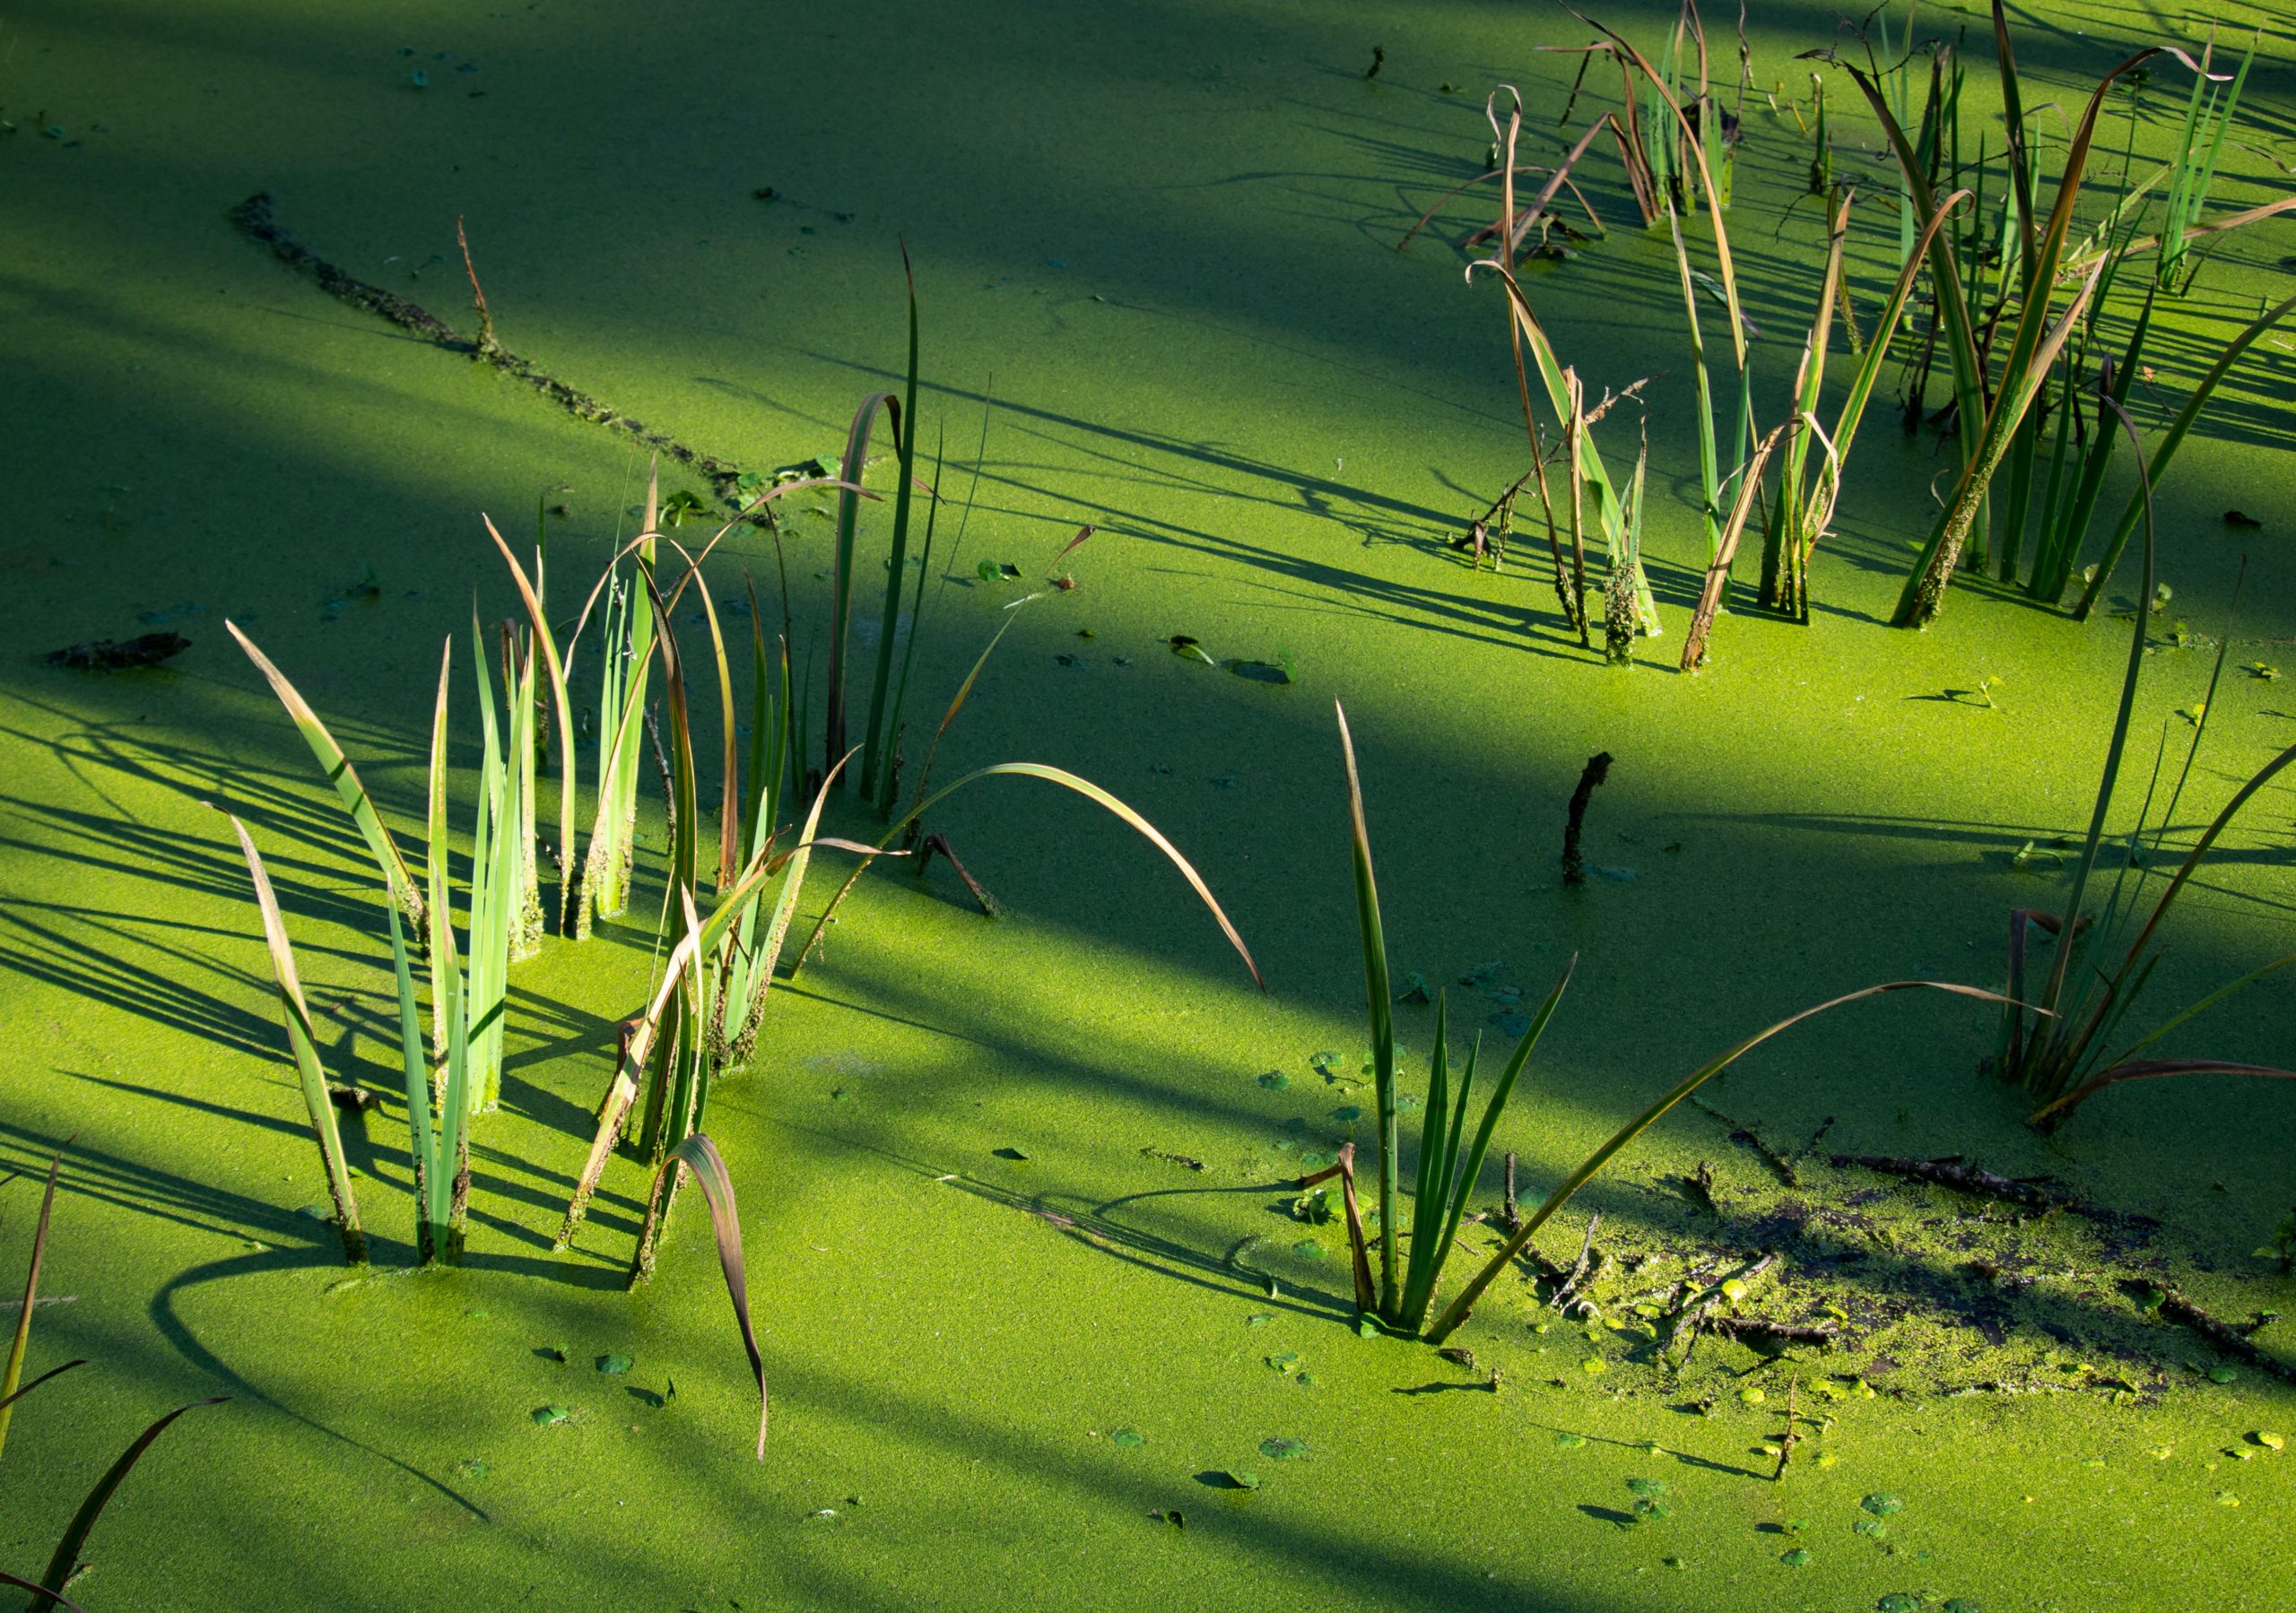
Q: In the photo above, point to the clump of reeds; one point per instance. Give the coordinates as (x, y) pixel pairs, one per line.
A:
(1403, 1290)
(2067, 1057)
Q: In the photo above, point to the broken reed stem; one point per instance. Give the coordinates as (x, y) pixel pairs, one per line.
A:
(1366, 1294)
(939, 844)
(1509, 1211)
(1579, 1269)
(1574, 864)
(485, 347)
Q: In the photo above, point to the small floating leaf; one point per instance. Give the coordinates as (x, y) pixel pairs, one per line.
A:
(1308, 1249)
(1882, 1505)
(2270, 1442)
(1275, 1080)
(545, 1415)
(1259, 1319)
(1347, 1114)
(1796, 1557)
(1752, 1397)
(614, 1363)
(1899, 1601)
(1652, 1487)
(471, 1468)
(1593, 1365)
(1283, 1448)
(1125, 1439)
(1241, 1480)
(2221, 1374)
(1510, 1025)
(1873, 1529)
(1569, 1441)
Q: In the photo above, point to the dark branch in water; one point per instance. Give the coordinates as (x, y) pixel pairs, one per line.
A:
(252, 219)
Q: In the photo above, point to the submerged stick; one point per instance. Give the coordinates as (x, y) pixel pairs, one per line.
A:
(253, 218)
(1574, 866)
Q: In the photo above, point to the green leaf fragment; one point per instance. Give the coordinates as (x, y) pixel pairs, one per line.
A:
(1275, 1080)
(615, 1364)
(1283, 1448)
(1569, 1441)
(1796, 1557)
(545, 1416)
(1126, 1439)
(1882, 1505)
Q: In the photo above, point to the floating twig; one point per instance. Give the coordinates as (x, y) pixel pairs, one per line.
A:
(1952, 1172)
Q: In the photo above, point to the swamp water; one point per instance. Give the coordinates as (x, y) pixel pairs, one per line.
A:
(1020, 1350)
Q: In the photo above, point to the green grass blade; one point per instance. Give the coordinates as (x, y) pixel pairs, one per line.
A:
(422, 1137)
(877, 750)
(848, 516)
(21, 1341)
(1428, 1192)
(1380, 999)
(555, 668)
(1066, 781)
(13, 1396)
(1459, 1308)
(304, 1046)
(61, 1566)
(1464, 1177)
(344, 778)
(2166, 451)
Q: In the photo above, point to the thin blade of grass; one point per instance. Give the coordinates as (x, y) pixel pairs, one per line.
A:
(304, 1047)
(22, 1341)
(344, 778)
(2166, 451)
(569, 868)
(699, 1156)
(1380, 999)
(74, 1539)
(1067, 781)
(16, 1395)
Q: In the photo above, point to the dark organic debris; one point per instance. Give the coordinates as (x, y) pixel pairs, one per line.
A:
(2224, 1336)
(1574, 864)
(2032, 1193)
(2234, 518)
(253, 219)
(109, 655)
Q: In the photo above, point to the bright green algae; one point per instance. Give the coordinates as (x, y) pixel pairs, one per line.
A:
(1167, 237)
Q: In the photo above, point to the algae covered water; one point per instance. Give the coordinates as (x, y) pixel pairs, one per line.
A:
(1046, 1320)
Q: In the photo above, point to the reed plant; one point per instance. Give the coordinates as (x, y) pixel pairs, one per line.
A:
(64, 1564)
(2067, 1057)
(1404, 1290)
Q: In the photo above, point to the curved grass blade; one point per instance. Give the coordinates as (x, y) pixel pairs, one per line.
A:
(2166, 451)
(1461, 1307)
(17, 1394)
(304, 1046)
(555, 668)
(2051, 1116)
(344, 778)
(1380, 1000)
(66, 1560)
(699, 1156)
(1067, 781)
(47, 1599)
